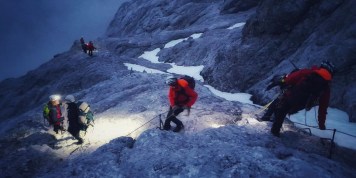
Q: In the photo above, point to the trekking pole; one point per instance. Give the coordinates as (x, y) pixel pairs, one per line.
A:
(160, 122)
(295, 67)
(332, 144)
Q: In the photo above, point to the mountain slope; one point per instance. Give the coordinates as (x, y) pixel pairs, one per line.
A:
(222, 137)
(229, 151)
(304, 32)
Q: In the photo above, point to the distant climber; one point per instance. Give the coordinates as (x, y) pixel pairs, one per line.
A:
(91, 48)
(304, 88)
(52, 112)
(84, 46)
(73, 118)
(181, 96)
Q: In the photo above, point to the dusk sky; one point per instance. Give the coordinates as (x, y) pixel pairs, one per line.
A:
(33, 31)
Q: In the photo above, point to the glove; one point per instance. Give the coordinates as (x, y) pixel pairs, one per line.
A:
(277, 80)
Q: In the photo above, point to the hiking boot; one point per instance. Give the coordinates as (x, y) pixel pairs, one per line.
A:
(178, 128)
(80, 141)
(275, 133)
(167, 127)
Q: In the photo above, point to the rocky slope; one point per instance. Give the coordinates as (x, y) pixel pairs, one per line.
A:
(240, 53)
(304, 32)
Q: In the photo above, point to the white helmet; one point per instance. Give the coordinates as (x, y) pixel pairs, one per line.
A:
(54, 97)
(70, 98)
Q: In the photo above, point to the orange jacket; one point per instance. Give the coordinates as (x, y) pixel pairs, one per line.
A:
(182, 95)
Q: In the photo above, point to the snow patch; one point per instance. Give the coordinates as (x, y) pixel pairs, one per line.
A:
(236, 25)
(335, 119)
(196, 35)
(240, 97)
(140, 68)
(151, 55)
(109, 128)
(175, 42)
(216, 125)
(193, 71)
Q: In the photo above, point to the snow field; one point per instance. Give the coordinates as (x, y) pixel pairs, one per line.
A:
(241, 24)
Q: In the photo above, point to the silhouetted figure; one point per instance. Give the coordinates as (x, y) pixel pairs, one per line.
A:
(305, 88)
(84, 46)
(90, 47)
(73, 118)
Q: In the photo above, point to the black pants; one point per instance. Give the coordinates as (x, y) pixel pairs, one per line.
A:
(75, 133)
(270, 110)
(171, 116)
(57, 128)
(84, 47)
(278, 121)
(90, 53)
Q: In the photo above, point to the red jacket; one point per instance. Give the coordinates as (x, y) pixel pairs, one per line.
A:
(300, 89)
(55, 114)
(182, 94)
(90, 46)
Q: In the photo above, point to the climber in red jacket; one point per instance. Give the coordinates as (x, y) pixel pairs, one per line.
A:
(90, 47)
(305, 87)
(181, 96)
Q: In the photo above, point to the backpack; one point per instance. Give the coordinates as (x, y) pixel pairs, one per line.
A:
(190, 80)
(45, 113)
(84, 110)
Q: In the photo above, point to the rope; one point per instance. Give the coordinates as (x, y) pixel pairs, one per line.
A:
(145, 123)
(316, 127)
(305, 121)
(198, 109)
(264, 108)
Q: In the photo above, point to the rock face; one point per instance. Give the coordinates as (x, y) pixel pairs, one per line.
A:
(234, 6)
(241, 44)
(276, 32)
(238, 59)
(306, 32)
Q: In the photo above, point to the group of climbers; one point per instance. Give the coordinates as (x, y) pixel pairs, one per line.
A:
(301, 89)
(79, 115)
(87, 47)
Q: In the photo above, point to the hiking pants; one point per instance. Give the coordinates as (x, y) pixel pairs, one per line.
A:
(279, 114)
(171, 116)
(282, 107)
(75, 133)
(57, 128)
